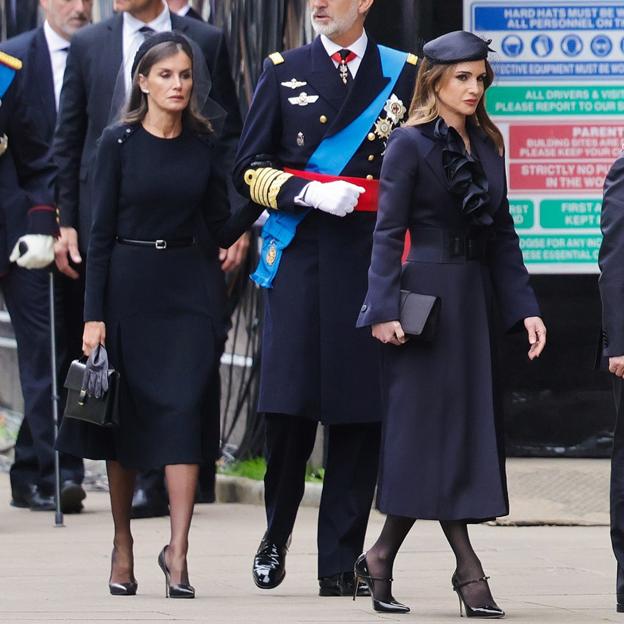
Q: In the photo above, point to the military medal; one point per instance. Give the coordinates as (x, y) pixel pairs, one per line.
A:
(271, 254)
(395, 109)
(383, 128)
(344, 72)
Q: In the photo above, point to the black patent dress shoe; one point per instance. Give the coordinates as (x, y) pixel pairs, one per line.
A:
(486, 611)
(342, 584)
(389, 605)
(174, 590)
(72, 495)
(41, 502)
(21, 497)
(269, 564)
(148, 505)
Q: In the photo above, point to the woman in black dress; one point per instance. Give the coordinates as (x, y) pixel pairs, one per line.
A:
(158, 186)
(443, 179)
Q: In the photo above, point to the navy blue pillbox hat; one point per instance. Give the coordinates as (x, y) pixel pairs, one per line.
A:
(457, 46)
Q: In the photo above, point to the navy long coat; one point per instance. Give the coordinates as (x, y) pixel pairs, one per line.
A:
(443, 454)
(314, 362)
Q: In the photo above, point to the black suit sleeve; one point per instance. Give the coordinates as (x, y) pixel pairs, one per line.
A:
(611, 260)
(515, 297)
(261, 136)
(106, 178)
(70, 136)
(30, 152)
(225, 226)
(398, 178)
(224, 93)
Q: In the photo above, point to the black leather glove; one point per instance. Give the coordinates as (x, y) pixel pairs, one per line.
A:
(95, 380)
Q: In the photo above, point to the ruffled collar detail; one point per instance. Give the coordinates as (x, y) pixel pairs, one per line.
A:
(465, 175)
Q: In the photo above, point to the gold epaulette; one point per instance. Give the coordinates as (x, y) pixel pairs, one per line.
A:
(412, 59)
(277, 58)
(10, 61)
(265, 184)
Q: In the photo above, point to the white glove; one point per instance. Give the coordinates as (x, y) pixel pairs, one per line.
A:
(337, 198)
(33, 251)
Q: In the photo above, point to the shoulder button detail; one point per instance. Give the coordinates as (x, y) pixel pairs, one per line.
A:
(276, 58)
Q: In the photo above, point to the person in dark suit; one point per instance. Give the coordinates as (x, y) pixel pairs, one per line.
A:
(43, 52)
(311, 152)
(86, 102)
(611, 282)
(149, 295)
(183, 8)
(21, 15)
(443, 179)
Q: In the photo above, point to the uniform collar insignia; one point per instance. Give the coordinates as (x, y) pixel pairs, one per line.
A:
(293, 83)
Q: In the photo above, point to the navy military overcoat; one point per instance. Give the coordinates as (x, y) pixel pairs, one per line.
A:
(443, 453)
(27, 174)
(314, 362)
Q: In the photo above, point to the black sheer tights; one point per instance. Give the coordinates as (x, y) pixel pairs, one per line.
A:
(121, 488)
(380, 558)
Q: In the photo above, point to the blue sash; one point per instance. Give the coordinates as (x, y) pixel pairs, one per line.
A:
(330, 157)
(6, 78)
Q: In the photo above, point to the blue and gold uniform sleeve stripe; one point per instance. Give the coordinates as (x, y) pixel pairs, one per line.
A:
(265, 184)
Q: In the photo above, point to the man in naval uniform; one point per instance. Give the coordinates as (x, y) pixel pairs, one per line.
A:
(311, 153)
(27, 230)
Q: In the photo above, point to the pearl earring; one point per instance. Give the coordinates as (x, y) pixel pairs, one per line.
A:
(146, 92)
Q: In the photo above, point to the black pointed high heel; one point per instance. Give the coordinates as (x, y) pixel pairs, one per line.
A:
(361, 573)
(180, 590)
(121, 589)
(489, 611)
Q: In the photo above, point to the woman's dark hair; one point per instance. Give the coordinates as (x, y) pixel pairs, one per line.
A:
(424, 104)
(137, 106)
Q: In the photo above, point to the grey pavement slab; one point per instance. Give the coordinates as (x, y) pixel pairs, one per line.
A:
(546, 574)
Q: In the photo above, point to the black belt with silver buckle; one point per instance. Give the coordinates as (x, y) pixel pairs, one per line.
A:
(158, 244)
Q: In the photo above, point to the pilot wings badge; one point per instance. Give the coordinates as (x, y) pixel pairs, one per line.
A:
(293, 83)
(303, 99)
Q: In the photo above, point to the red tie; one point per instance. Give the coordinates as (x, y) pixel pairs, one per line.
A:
(342, 57)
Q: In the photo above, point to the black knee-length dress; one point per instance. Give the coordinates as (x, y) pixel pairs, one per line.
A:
(160, 306)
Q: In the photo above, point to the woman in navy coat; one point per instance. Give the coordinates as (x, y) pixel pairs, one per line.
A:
(151, 296)
(443, 179)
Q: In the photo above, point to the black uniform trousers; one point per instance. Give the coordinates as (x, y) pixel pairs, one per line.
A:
(348, 486)
(26, 295)
(617, 486)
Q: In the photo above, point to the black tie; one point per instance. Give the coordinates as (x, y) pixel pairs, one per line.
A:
(147, 32)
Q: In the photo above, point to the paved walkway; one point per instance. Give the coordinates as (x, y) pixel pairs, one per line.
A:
(539, 574)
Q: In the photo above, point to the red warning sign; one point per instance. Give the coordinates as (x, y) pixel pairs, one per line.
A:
(558, 176)
(562, 157)
(583, 141)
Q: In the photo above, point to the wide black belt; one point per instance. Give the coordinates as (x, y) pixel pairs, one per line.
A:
(447, 246)
(159, 243)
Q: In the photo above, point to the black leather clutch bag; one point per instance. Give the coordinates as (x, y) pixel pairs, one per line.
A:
(103, 411)
(419, 315)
